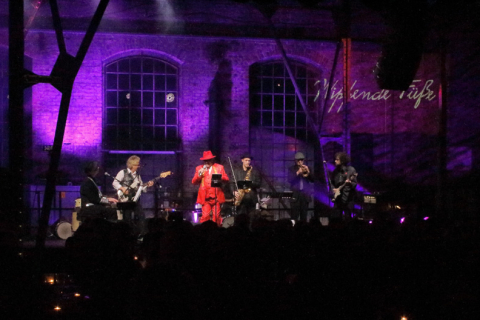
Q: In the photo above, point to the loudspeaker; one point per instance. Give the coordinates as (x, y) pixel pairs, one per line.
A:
(398, 64)
(403, 48)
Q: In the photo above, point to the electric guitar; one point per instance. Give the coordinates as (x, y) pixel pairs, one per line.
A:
(339, 189)
(134, 191)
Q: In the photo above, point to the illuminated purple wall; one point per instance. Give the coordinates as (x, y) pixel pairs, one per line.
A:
(393, 133)
(398, 124)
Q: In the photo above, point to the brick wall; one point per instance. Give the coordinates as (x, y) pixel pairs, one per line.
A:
(402, 131)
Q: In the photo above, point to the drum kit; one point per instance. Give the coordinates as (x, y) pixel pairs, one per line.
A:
(63, 229)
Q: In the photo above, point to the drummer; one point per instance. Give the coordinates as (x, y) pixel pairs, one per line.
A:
(93, 203)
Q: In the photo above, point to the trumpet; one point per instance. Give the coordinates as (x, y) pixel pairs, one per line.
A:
(304, 169)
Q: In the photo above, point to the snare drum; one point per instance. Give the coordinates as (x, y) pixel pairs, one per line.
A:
(227, 222)
(63, 230)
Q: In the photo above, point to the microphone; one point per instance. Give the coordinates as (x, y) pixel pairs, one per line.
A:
(202, 171)
(107, 174)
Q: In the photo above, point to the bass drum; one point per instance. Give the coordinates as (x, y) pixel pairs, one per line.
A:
(63, 230)
(227, 222)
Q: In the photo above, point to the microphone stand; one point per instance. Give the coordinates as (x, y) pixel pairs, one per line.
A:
(329, 181)
(216, 184)
(234, 207)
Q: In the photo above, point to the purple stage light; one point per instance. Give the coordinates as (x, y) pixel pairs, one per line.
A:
(195, 217)
(402, 219)
(426, 218)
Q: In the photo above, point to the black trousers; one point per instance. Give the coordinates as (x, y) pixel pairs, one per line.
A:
(342, 209)
(248, 207)
(299, 207)
(97, 211)
(135, 218)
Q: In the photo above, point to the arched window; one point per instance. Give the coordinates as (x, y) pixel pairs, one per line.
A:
(278, 124)
(141, 105)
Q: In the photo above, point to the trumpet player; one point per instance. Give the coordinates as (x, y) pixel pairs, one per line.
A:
(246, 199)
(300, 178)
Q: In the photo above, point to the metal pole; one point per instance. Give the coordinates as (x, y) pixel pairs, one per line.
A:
(16, 112)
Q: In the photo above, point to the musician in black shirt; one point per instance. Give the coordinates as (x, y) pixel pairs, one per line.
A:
(246, 199)
(300, 178)
(93, 203)
(344, 184)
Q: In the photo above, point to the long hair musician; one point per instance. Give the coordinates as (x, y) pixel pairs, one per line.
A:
(344, 184)
(127, 182)
(246, 198)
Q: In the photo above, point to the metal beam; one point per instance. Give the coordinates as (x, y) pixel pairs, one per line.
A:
(16, 112)
(66, 67)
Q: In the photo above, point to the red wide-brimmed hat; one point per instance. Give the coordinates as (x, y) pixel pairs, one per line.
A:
(207, 155)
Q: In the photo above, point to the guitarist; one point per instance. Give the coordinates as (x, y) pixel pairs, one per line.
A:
(127, 181)
(344, 184)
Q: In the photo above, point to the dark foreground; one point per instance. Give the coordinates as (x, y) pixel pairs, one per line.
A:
(384, 270)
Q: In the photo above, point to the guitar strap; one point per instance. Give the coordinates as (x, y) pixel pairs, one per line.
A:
(100, 195)
(128, 179)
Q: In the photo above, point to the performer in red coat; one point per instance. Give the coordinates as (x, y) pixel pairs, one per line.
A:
(209, 197)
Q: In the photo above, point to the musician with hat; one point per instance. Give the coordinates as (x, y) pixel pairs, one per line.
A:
(301, 179)
(210, 197)
(246, 198)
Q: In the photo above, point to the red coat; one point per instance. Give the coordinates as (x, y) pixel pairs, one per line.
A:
(205, 190)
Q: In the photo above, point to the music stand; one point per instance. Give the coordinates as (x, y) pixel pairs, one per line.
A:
(216, 180)
(216, 183)
(244, 184)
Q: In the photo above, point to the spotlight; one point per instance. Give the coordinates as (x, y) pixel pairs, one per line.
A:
(195, 217)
